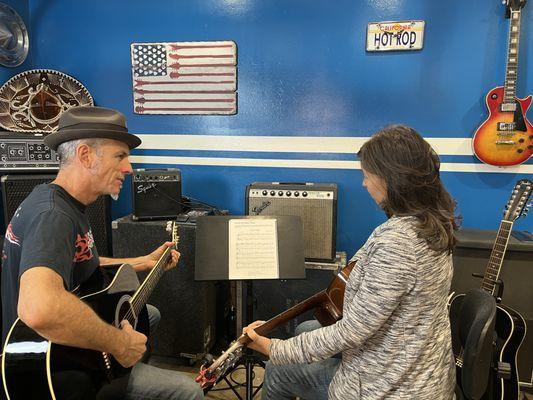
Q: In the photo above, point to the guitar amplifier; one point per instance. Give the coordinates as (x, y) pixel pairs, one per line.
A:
(15, 188)
(189, 309)
(156, 193)
(314, 203)
(26, 152)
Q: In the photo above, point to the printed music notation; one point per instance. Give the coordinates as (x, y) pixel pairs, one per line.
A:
(253, 249)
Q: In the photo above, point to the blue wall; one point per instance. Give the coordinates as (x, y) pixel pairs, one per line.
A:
(303, 72)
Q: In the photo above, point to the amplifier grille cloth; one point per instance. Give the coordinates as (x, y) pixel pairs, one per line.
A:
(17, 187)
(317, 220)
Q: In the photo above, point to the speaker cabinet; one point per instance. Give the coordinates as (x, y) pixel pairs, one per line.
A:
(188, 308)
(15, 188)
(156, 193)
(315, 203)
(272, 297)
(471, 255)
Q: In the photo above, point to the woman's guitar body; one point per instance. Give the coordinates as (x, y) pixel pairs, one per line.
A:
(328, 310)
(506, 136)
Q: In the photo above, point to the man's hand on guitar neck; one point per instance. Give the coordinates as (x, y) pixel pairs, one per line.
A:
(154, 256)
(133, 346)
(258, 343)
(148, 261)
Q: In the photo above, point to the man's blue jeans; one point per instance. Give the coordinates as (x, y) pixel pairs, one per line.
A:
(149, 382)
(146, 382)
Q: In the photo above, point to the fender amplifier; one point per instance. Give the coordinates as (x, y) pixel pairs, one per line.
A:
(156, 193)
(315, 203)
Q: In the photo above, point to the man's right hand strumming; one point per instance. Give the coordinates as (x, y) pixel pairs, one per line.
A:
(134, 346)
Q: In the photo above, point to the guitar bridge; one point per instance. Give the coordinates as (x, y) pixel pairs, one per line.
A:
(506, 142)
(505, 134)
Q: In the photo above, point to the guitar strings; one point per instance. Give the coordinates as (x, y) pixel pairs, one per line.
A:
(144, 290)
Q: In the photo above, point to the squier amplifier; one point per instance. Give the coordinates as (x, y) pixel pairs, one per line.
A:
(156, 193)
(315, 203)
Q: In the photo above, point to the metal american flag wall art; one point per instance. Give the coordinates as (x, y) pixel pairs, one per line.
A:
(184, 77)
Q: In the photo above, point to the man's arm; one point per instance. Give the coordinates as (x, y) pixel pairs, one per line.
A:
(59, 316)
(147, 261)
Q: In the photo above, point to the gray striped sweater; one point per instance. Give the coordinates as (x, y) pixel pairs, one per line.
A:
(395, 334)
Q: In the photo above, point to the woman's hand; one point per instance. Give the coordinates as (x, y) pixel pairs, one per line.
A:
(259, 343)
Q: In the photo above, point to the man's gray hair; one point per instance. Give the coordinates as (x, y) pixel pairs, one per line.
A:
(67, 150)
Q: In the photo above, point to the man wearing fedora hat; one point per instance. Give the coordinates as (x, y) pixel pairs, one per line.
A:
(49, 250)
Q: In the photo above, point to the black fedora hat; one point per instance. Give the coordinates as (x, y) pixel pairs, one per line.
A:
(88, 122)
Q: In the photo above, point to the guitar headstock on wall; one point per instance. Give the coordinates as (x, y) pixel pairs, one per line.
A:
(518, 204)
(513, 5)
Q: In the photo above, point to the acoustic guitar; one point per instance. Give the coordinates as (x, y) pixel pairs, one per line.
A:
(506, 136)
(328, 310)
(30, 361)
(510, 325)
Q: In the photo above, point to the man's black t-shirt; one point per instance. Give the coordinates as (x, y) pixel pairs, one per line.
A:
(49, 229)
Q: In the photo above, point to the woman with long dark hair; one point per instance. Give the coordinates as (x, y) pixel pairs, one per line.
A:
(394, 336)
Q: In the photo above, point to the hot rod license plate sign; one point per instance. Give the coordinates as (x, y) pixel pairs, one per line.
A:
(395, 35)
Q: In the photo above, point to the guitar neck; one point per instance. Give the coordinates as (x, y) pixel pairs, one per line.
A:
(511, 71)
(144, 291)
(494, 265)
(288, 315)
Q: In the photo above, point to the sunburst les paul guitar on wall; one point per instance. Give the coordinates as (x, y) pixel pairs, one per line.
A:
(510, 325)
(30, 361)
(506, 136)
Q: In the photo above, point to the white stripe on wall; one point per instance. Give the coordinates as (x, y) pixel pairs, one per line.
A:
(287, 144)
(319, 164)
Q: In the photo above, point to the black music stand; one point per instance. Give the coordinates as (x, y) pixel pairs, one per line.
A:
(212, 263)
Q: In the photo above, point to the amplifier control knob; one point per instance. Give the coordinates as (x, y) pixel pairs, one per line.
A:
(272, 192)
(296, 194)
(280, 193)
(304, 194)
(265, 192)
(288, 194)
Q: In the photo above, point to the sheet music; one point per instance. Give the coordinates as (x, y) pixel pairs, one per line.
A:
(253, 249)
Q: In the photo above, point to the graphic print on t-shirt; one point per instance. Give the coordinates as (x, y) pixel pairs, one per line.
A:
(11, 237)
(84, 246)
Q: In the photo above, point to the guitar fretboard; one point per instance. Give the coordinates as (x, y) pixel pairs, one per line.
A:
(511, 73)
(142, 294)
(496, 257)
